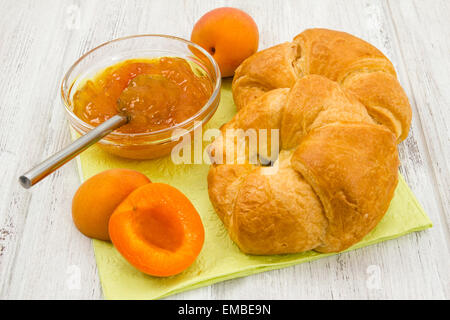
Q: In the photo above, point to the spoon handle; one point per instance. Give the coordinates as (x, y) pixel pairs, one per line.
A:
(71, 151)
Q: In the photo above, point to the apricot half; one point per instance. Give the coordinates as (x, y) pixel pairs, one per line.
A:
(97, 198)
(157, 229)
(230, 35)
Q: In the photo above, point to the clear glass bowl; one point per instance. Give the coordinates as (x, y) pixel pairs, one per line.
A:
(141, 145)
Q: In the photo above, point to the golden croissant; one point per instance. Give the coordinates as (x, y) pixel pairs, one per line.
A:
(340, 112)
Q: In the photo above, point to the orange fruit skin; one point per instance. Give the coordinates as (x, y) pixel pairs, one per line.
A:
(157, 230)
(97, 198)
(230, 35)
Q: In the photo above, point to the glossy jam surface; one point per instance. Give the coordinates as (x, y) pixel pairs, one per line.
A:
(155, 94)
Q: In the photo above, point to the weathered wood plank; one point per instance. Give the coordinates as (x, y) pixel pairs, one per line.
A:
(36, 225)
(42, 255)
(422, 29)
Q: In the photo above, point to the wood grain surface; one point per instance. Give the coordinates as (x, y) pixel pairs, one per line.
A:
(43, 256)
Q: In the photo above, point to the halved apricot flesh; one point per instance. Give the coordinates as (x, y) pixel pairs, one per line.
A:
(157, 229)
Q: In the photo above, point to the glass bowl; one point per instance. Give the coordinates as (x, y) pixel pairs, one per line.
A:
(153, 144)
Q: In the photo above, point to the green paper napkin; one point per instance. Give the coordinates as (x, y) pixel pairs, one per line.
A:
(220, 259)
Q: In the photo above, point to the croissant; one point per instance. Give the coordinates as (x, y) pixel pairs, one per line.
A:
(340, 112)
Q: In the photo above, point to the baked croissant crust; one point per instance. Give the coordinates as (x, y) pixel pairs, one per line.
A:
(340, 113)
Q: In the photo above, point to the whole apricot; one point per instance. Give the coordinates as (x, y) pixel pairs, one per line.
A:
(230, 35)
(97, 198)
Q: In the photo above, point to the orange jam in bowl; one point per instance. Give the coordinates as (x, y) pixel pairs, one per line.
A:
(171, 93)
(169, 88)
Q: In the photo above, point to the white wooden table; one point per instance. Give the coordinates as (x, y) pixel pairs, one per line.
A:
(43, 256)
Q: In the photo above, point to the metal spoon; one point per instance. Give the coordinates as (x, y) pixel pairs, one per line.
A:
(42, 170)
(71, 151)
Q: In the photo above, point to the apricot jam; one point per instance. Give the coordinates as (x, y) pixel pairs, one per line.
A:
(154, 93)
